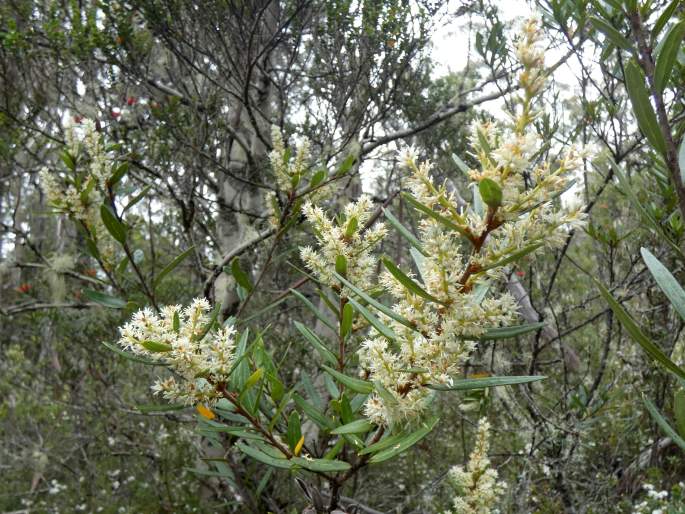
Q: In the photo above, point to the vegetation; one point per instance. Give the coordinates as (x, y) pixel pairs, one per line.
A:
(260, 257)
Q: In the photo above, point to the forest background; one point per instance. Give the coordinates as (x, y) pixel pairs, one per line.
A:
(184, 98)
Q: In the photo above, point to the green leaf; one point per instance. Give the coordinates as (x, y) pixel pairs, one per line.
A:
(68, 160)
(461, 164)
(104, 299)
(240, 276)
(341, 265)
(359, 426)
(638, 336)
(160, 407)
(374, 303)
(115, 227)
(490, 192)
(407, 282)
(118, 174)
(277, 462)
(514, 256)
(346, 322)
(136, 198)
(681, 159)
(483, 383)
(131, 356)
(317, 178)
(664, 18)
(314, 414)
(406, 442)
(436, 216)
(665, 427)
(322, 465)
(155, 346)
(639, 98)
(509, 332)
(172, 265)
(318, 345)
(384, 330)
(355, 384)
(384, 443)
(666, 281)
(294, 431)
(351, 227)
(346, 165)
(646, 216)
(667, 57)
(404, 231)
(679, 411)
(611, 33)
(313, 309)
(253, 379)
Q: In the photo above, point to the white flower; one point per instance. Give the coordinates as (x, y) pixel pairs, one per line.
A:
(182, 338)
(476, 487)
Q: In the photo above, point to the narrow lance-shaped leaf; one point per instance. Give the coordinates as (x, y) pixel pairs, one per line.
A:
(131, 356)
(679, 411)
(355, 384)
(318, 345)
(346, 322)
(385, 330)
(278, 462)
(509, 332)
(172, 265)
(359, 426)
(484, 383)
(313, 413)
(667, 57)
(155, 346)
(665, 427)
(461, 164)
(611, 33)
(681, 159)
(404, 231)
(666, 281)
(664, 18)
(321, 317)
(639, 98)
(638, 336)
(137, 198)
(240, 276)
(519, 254)
(374, 303)
(294, 431)
(322, 465)
(406, 442)
(646, 216)
(104, 299)
(435, 215)
(407, 282)
(115, 227)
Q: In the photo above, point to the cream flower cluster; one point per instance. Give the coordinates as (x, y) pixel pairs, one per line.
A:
(463, 250)
(288, 171)
(476, 487)
(82, 195)
(347, 239)
(181, 338)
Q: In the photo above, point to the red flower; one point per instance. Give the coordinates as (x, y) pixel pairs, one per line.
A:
(131, 100)
(115, 114)
(521, 273)
(23, 288)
